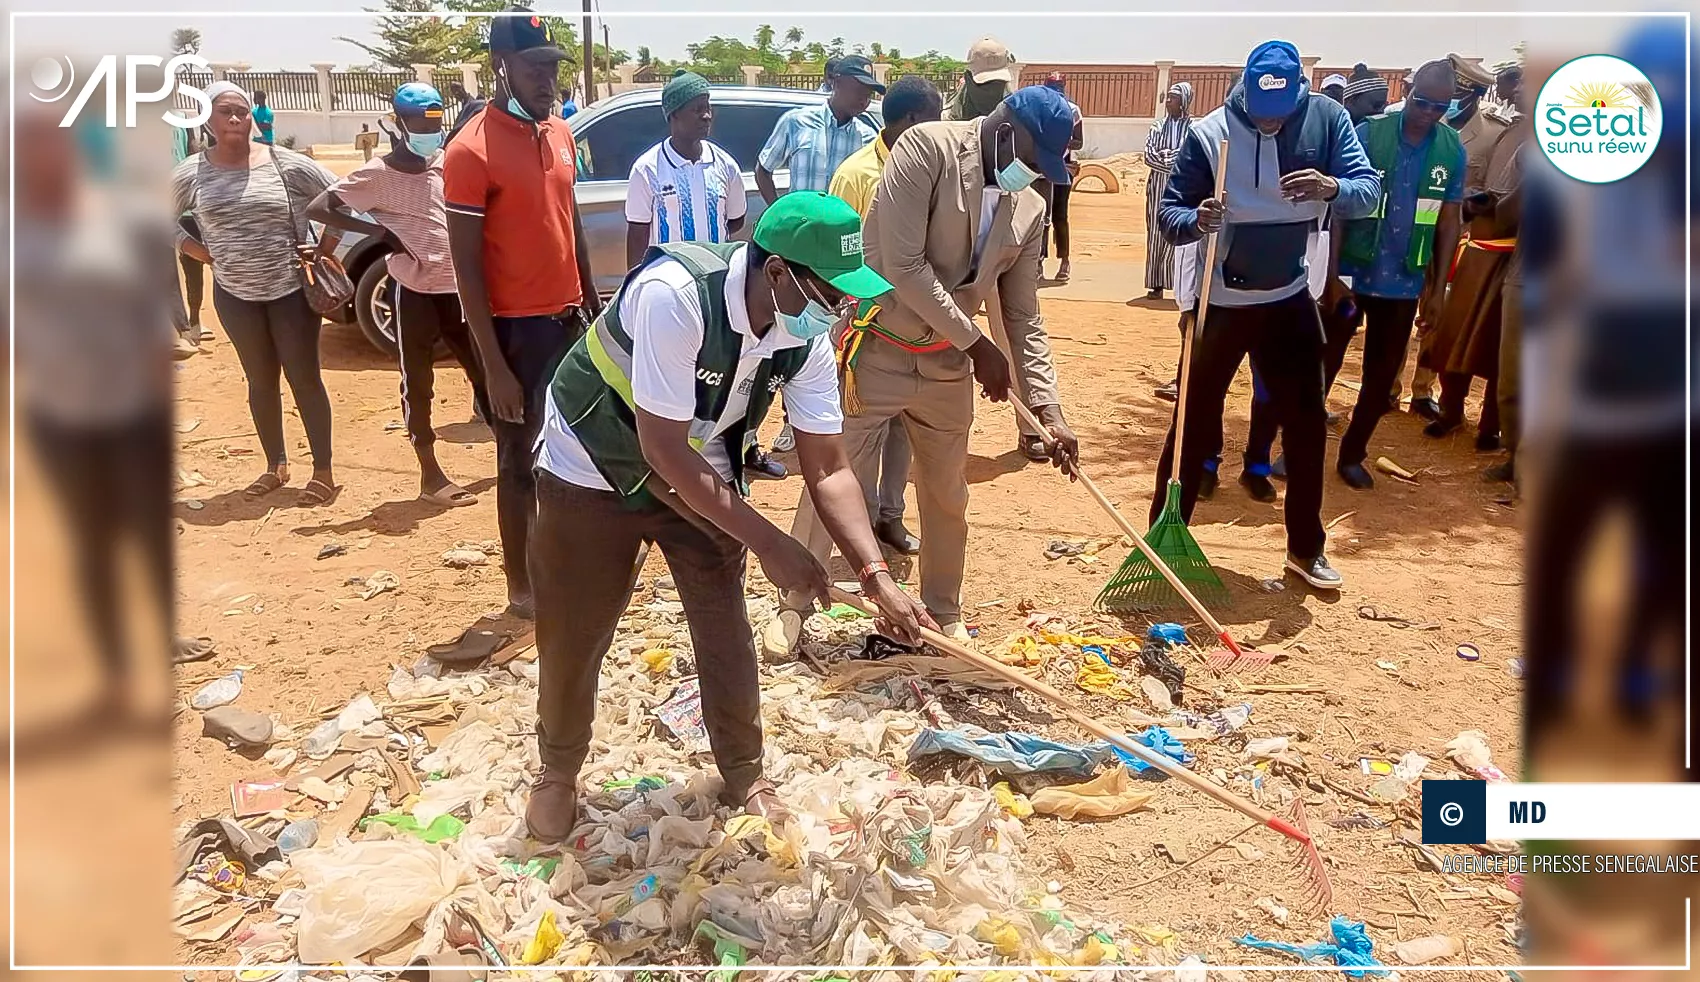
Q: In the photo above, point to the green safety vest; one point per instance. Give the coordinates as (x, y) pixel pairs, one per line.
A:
(592, 388)
(1363, 235)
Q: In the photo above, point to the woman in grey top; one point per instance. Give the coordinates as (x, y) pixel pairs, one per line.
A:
(251, 224)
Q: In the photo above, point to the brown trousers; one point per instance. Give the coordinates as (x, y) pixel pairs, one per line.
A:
(933, 395)
(582, 549)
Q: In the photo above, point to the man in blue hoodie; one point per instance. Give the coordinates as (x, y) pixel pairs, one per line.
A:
(1292, 155)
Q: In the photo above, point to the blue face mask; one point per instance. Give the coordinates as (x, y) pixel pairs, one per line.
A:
(1454, 108)
(814, 320)
(513, 104)
(1015, 176)
(425, 144)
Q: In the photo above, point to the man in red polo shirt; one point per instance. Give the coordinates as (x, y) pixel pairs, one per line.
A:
(520, 261)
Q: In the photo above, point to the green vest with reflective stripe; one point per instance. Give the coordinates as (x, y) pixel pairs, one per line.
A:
(1363, 235)
(592, 388)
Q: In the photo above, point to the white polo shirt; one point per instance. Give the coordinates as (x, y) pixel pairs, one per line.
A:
(661, 312)
(685, 200)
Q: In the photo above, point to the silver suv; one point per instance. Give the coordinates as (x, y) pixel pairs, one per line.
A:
(611, 135)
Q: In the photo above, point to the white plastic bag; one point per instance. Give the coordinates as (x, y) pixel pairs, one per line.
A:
(362, 895)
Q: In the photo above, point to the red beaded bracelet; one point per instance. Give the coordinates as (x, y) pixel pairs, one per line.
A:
(867, 572)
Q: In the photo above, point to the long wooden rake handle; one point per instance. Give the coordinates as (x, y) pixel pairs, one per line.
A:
(1080, 718)
(1203, 308)
(1138, 540)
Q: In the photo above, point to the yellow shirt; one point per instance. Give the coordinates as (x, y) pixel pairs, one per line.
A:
(856, 178)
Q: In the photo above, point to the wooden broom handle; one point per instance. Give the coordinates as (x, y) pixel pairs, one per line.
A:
(1079, 717)
(1127, 528)
(1203, 307)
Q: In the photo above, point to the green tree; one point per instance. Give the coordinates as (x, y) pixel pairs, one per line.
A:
(402, 42)
(186, 41)
(764, 38)
(644, 58)
(835, 47)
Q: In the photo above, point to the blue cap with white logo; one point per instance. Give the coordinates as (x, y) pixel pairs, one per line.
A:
(417, 99)
(1273, 75)
(1044, 113)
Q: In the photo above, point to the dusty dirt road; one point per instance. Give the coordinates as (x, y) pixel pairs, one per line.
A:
(1443, 550)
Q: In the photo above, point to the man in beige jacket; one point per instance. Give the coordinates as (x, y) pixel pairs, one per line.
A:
(954, 224)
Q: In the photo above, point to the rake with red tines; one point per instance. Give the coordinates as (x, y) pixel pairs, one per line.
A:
(1310, 863)
(1230, 657)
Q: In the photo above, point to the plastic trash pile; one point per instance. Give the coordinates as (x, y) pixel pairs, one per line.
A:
(394, 830)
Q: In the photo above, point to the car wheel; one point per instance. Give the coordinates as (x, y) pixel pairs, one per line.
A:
(374, 307)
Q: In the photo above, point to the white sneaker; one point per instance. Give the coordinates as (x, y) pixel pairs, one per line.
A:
(786, 441)
(780, 636)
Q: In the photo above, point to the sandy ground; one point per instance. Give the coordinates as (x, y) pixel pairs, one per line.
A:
(1443, 550)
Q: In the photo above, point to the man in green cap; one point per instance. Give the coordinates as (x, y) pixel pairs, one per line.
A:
(643, 439)
(684, 189)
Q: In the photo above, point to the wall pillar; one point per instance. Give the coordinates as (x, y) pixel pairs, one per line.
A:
(882, 71)
(423, 72)
(326, 98)
(469, 77)
(752, 74)
(1164, 68)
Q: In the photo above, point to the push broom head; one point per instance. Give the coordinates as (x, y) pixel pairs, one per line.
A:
(1138, 585)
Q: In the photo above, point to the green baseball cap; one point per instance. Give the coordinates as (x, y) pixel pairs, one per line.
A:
(823, 233)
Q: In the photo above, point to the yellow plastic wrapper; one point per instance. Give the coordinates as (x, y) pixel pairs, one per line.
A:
(1023, 650)
(1060, 637)
(1001, 935)
(1097, 952)
(1012, 802)
(544, 943)
(1100, 679)
(1110, 793)
(656, 661)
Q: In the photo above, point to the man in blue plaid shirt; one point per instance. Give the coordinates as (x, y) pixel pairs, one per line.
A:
(813, 140)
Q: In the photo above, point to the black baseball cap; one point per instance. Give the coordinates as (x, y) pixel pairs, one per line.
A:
(857, 67)
(517, 30)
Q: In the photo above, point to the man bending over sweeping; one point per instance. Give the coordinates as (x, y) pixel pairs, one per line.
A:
(644, 434)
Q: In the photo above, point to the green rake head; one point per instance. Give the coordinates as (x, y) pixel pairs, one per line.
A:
(1138, 586)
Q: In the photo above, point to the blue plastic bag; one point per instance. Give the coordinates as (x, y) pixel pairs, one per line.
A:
(1352, 946)
(1169, 633)
(1024, 753)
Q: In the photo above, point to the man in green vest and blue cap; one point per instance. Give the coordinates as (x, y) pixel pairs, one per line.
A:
(644, 435)
(1399, 256)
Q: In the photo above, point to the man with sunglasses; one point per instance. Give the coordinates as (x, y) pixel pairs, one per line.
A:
(520, 261)
(646, 424)
(1397, 257)
(955, 224)
(1478, 130)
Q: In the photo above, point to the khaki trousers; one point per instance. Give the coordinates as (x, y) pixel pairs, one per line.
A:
(933, 397)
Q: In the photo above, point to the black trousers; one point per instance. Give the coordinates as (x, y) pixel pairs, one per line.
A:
(1059, 218)
(115, 484)
(1387, 335)
(421, 319)
(194, 286)
(1284, 340)
(533, 348)
(582, 552)
(1337, 332)
(273, 338)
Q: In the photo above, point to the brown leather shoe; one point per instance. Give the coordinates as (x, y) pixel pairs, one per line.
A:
(552, 812)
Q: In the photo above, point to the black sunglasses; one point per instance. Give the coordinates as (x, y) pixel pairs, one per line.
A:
(1429, 105)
